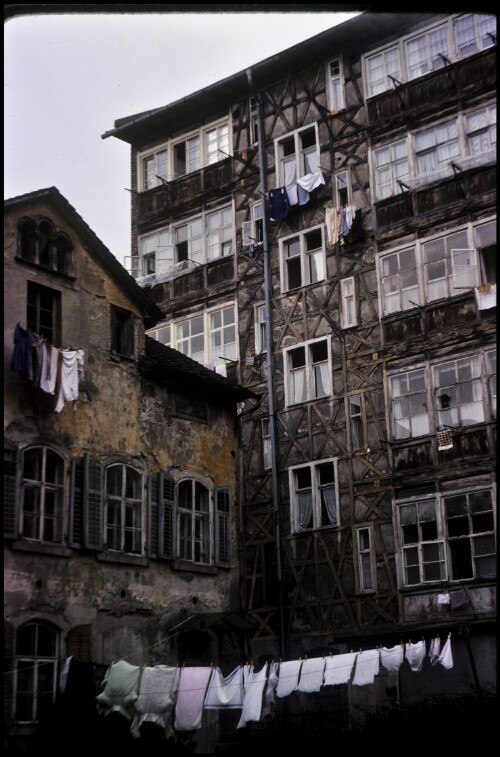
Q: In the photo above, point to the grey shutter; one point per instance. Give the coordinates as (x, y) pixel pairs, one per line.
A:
(153, 541)
(222, 528)
(167, 517)
(10, 492)
(76, 507)
(93, 503)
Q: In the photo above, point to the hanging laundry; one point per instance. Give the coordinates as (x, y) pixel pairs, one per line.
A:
(290, 170)
(392, 658)
(338, 668)
(192, 689)
(303, 195)
(21, 362)
(50, 361)
(36, 355)
(252, 701)
(435, 650)
(333, 223)
(311, 180)
(272, 682)
(415, 654)
(311, 674)
(71, 375)
(279, 205)
(121, 689)
(446, 656)
(367, 667)
(486, 296)
(225, 692)
(288, 677)
(156, 700)
(292, 194)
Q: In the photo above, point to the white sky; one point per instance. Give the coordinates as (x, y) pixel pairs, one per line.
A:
(68, 78)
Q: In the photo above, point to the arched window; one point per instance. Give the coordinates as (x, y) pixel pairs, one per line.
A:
(193, 521)
(42, 495)
(64, 263)
(27, 240)
(40, 243)
(45, 244)
(37, 652)
(124, 507)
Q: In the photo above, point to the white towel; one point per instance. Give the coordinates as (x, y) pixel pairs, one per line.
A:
(288, 677)
(338, 668)
(392, 658)
(415, 654)
(367, 667)
(189, 706)
(311, 180)
(252, 702)
(71, 375)
(50, 358)
(225, 692)
(156, 700)
(446, 657)
(272, 682)
(311, 674)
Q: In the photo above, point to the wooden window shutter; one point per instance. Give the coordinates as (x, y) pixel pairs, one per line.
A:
(222, 528)
(93, 502)
(10, 492)
(76, 506)
(79, 643)
(153, 540)
(167, 519)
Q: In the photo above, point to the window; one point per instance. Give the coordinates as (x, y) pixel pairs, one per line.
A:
(219, 234)
(266, 444)
(449, 536)
(433, 268)
(366, 561)
(308, 371)
(193, 516)
(348, 299)
(122, 331)
(260, 329)
(454, 393)
(418, 54)
(189, 242)
(342, 189)
(42, 495)
(356, 422)
(182, 156)
(156, 252)
(303, 259)
(43, 312)
(41, 243)
(124, 509)
(434, 152)
(314, 497)
(297, 154)
(253, 231)
(253, 121)
(335, 85)
(210, 337)
(37, 652)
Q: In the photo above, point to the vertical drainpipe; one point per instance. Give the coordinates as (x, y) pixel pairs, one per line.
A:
(270, 367)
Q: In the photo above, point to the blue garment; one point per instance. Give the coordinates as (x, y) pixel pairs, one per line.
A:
(279, 204)
(21, 362)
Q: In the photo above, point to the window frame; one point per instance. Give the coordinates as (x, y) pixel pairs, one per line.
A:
(122, 331)
(361, 553)
(345, 296)
(184, 512)
(124, 502)
(359, 418)
(316, 498)
(309, 372)
(299, 153)
(170, 146)
(336, 101)
(265, 426)
(260, 327)
(34, 663)
(35, 292)
(304, 257)
(44, 488)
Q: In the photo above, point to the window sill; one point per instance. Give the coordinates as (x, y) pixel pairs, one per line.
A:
(119, 357)
(46, 269)
(41, 549)
(192, 567)
(122, 559)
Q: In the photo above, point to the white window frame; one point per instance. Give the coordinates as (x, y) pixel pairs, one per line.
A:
(252, 121)
(206, 156)
(365, 552)
(435, 379)
(252, 232)
(400, 67)
(32, 665)
(159, 244)
(260, 328)
(443, 537)
(160, 163)
(410, 281)
(299, 160)
(197, 343)
(266, 443)
(306, 258)
(162, 333)
(220, 238)
(309, 372)
(349, 316)
(317, 513)
(491, 366)
(220, 353)
(342, 180)
(191, 513)
(335, 84)
(41, 491)
(356, 417)
(125, 501)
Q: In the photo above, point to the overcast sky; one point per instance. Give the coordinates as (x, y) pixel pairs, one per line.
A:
(68, 78)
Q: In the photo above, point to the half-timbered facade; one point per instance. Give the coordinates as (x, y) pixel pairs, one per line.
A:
(323, 225)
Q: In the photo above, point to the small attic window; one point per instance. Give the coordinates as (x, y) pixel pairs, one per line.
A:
(40, 243)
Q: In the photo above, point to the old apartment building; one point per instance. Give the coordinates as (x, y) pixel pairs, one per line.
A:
(120, 497)
(322, 226)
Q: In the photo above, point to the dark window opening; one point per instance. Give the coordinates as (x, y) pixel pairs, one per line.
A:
(192, 407)
(180, 159)
(43, 312)
(122, 332)
(489, 264)
(182, 251)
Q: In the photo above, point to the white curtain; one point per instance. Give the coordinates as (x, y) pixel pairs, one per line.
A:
(328, 496)
(304, 501)
(298, 385)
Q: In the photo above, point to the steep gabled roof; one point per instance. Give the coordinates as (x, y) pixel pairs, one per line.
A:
(169, 367)
(96, 249)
